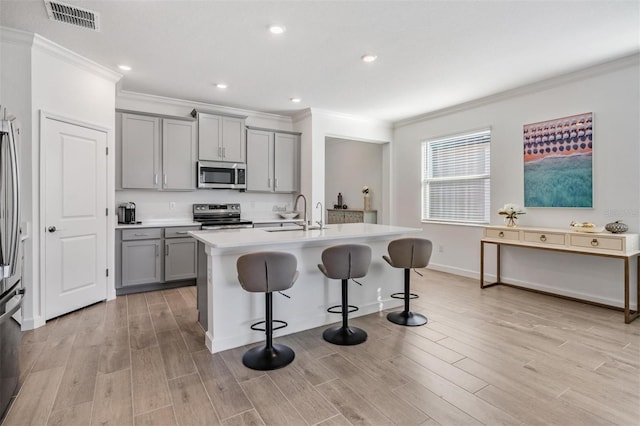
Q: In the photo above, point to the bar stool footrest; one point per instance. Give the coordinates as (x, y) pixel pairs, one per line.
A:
(255, 327)
(264, 358)
(337, 309)
(401, 296)
(409, 319)
(344, 336)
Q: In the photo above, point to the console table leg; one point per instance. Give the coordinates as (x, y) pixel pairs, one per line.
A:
(627, 316)
(498, 280)
(481, 264)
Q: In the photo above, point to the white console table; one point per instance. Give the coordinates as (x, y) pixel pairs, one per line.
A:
(617, 246)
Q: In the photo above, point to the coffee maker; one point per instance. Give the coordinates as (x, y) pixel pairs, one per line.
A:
(127, 213)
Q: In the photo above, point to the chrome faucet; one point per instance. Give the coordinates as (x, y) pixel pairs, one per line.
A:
(320, 222)
(305, 225)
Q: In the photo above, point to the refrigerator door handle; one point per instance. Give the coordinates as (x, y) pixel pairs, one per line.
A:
(15, 175)
(13, 310)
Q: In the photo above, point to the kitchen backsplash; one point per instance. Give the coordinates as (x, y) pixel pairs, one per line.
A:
(158, 205)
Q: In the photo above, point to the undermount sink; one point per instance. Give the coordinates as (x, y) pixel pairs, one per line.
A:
(295, 228)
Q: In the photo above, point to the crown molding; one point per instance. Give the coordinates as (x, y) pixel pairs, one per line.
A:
(350, 117)
(301, 115)
(213, 108)
(558, 80)
(59, 52)
(14, 36)
(41, 44)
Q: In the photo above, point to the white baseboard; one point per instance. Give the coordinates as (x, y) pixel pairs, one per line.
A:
(32, 323)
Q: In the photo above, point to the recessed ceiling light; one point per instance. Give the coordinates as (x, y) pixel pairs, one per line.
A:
(369, 58)
(295, 100)
(124, 67)
(221, 86)
(277, 29)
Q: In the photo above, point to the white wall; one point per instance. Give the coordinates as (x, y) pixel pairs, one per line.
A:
(45, 77)
(349, 166)
(330, 124)
(611, 91)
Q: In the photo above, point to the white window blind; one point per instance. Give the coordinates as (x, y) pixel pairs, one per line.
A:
(456, 178)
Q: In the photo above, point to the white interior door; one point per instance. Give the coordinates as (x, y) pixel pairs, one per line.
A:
(75, 217)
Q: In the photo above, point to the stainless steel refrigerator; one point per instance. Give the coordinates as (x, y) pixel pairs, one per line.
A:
(11, 287)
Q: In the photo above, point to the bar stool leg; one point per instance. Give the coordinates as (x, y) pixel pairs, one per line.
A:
(268, 356)
(406, 317)
(345, 335)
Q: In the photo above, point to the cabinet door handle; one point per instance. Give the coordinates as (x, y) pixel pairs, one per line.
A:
(543, 238)
(166, 250)
(224, 152)
(501, 234)
(156, 248)
(275, 183)
(594, 242)
(140, 235)
(165, 178)
(181, 232)
(219, 152)
(155, 179)
(268, 182)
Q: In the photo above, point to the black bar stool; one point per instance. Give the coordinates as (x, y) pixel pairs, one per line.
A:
(344, 262)
(266, 272)
(408, 253)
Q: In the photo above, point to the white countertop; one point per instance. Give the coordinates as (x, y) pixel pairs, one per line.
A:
(262, 237)
(158, 224)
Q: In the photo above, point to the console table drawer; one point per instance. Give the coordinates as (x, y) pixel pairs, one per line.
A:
(544, 238)
(502, 234)
(597, 242)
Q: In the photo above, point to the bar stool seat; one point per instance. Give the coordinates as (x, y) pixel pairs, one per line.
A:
(344, 262)
(408, 253)
(266, 272)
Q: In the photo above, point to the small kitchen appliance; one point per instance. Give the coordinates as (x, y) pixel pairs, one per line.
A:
(220, 216)
(219, 175)
(127, 213)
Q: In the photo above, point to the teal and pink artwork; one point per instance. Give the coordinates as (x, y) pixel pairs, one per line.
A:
(558, 162)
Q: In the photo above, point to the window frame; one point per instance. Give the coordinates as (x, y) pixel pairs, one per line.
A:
(427, 165)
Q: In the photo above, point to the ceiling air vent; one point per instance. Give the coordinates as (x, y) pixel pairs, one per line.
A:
(73, 15)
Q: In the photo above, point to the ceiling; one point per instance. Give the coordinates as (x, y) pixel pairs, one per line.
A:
(431, 54)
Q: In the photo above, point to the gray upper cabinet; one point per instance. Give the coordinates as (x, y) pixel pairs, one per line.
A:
(140, 141)
(281, 171)
(178, 154)
(157, 153)
(259, 161)
(286, 163)
(221, 138)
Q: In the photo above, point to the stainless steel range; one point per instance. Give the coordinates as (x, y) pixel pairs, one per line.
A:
(220, 216)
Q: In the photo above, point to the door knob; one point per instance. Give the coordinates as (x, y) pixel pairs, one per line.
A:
(52, 229)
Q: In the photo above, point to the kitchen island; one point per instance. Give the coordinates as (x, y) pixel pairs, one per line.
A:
(230, 310)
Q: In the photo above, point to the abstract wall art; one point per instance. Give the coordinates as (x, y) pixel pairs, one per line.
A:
(558, 162)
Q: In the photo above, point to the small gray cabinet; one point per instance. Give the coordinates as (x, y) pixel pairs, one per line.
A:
(141, 257)
(221, 138)
(281, 170)
(180, 256)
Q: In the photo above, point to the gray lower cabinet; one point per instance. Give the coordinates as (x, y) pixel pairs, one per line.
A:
(180, 259)
(155, 258)
(141, 262)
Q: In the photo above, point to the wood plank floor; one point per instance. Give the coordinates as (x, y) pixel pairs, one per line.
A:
(494, 356)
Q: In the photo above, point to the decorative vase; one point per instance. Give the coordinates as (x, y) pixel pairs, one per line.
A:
(367, 202)
(511, 222)
(616, 227)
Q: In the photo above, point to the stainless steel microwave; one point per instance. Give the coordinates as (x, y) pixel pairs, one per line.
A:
(218, 175)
